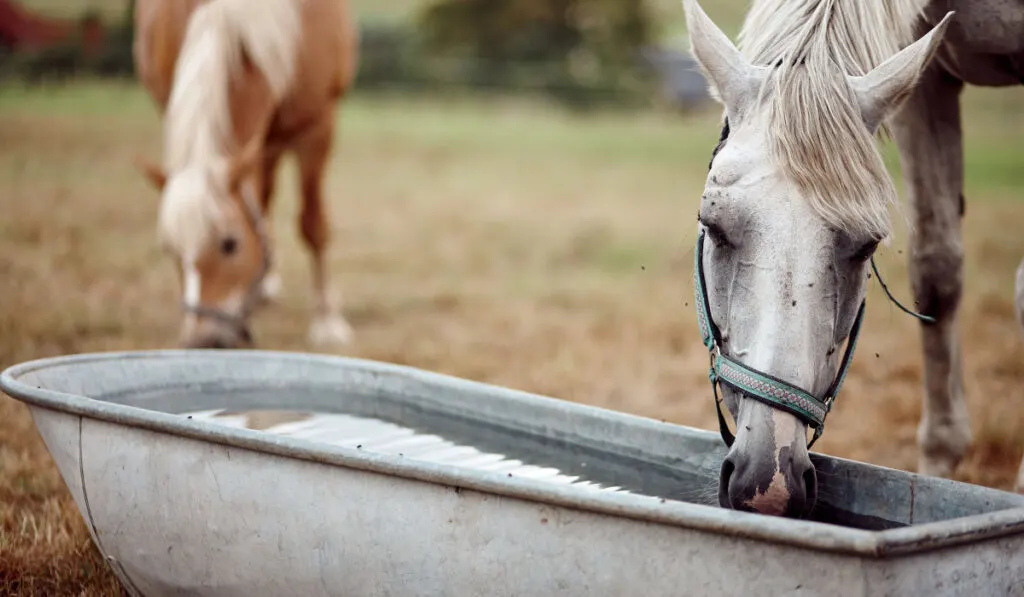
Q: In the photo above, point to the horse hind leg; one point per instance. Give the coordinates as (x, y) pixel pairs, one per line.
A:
(328, 327)
(928, 134)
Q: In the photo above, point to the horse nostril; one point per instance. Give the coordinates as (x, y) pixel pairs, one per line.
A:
(810, 479)
(728, 468)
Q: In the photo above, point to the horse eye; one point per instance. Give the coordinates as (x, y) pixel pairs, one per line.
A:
(866, 251)
(228, 246)
(717, 234)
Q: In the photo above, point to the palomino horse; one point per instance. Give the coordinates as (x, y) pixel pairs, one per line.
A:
(239, 83)
(796, 201)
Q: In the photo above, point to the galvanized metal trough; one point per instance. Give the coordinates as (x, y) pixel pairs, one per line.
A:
(257, 473)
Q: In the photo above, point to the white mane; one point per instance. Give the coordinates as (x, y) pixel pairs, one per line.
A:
(198, 128)
(817, 135)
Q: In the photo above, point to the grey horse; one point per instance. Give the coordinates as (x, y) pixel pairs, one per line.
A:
(796, 202)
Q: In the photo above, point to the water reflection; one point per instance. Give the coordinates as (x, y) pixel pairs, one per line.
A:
(375, 435)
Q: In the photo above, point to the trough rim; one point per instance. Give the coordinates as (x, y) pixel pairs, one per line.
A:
(812, 535)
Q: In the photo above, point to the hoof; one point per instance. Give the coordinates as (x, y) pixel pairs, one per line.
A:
(935, 467)
(331, 330)
(942, 446)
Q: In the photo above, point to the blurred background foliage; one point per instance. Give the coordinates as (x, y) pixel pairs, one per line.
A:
(579, 52)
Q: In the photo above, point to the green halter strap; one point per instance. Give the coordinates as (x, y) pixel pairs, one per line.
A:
(757, 384)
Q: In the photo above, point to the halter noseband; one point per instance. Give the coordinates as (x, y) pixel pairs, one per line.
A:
(238, 321)
(761, 386)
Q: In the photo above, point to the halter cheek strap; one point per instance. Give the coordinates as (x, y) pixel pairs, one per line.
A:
(756, 384)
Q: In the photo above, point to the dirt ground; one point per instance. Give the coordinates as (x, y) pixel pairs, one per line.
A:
(504, 242)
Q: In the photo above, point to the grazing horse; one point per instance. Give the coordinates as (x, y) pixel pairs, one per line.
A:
(796, 202)
(238, 83)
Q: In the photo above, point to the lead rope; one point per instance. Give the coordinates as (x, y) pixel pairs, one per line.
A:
(919, 316)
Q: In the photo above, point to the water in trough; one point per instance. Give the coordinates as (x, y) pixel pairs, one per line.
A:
(434, 437)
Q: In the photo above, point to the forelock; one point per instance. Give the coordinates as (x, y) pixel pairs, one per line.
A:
(190, 213)
(817, 136)
(816, 132)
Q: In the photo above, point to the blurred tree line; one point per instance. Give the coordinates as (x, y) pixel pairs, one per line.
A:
(572, 48)
(74, 54)
(578, 51)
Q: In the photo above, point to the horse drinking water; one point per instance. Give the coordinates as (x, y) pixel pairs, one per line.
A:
(239, 83)
(796, 202)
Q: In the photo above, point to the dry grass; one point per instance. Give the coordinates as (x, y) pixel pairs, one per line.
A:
(44, 546)
(506, 243)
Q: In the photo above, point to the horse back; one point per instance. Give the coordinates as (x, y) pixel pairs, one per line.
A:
(327, 59)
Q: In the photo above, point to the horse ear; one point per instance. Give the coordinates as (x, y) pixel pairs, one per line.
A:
(888, 85)
(244, 162)
(153, 173)
(732, 79)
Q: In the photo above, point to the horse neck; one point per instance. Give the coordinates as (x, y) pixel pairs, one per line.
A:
(236, 63)
(253, 106)
(160, 31)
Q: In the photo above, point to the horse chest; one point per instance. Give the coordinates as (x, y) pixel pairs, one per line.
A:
(984, 70)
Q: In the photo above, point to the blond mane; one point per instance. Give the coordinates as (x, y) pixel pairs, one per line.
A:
(817, 135)
(198, 128)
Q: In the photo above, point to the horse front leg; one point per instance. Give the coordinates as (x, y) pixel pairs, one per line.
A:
(270, 289)
(329, 327)
(928, 134)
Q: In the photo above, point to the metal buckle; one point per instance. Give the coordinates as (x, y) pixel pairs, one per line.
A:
(712, 361)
